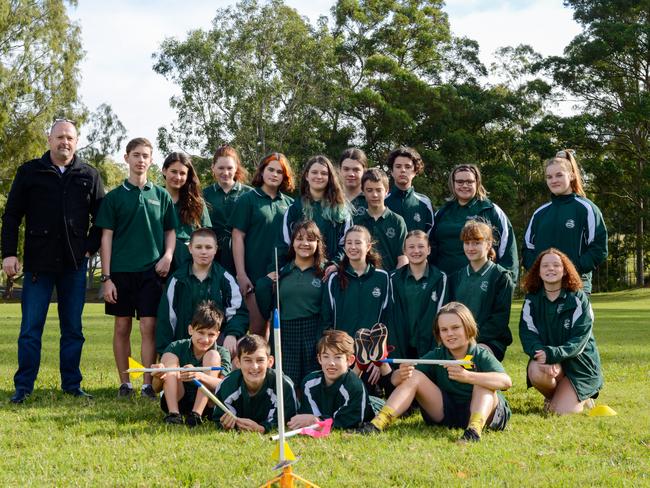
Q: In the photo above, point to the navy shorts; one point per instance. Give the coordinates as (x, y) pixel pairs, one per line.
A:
(456, 415)
(138, 294)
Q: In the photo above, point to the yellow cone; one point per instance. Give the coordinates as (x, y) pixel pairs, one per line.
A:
(601, 411)
(288, 454)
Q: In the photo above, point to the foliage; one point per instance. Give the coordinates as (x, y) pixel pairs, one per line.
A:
(57, 440)
(40, 49)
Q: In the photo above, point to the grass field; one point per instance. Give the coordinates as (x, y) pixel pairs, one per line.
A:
(54, 440)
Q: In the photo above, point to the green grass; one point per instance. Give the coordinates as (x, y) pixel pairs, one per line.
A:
(54, 440)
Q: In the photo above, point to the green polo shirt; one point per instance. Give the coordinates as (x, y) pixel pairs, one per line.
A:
(260, 217)
(301, 293)
(183, 351)
(220, 206)
(388, 232)
(484, 362)
(138, 219)
(183, 234)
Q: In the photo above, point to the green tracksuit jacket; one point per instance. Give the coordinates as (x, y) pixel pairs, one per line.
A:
(405, 330)
(488, 294)
(415, 208)
(447, 248)
(345, 401)
(575, 226)
(261, 407)
(182, 295)
(362, 304)
(563, 329)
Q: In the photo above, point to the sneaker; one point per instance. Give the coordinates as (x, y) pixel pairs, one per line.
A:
(19, 397)
(147, 392)
(378, 348)
(193, 419)
(367, 428)
(78, 393)
(470, 435)
(173, 418)
(125, 391)
(362, 346)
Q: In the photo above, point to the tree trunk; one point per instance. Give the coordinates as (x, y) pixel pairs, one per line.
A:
(640, 281)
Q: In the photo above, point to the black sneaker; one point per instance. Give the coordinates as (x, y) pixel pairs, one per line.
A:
(367, 428)
(193, 420)
(173, 418)
(147, 392)
(125, 391)
(470, 435)
(19, 397)
(78, 393)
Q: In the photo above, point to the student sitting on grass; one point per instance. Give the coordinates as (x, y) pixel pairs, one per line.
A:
(200, 279)
(419, 290)
(556, 331)
(335, 392)
(451, 395)
(485, 288)
(250, 392)
(180, 394)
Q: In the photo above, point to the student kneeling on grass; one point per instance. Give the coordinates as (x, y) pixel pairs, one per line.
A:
(249, 392)
(180, 394)
(451, 395)
(335, 391)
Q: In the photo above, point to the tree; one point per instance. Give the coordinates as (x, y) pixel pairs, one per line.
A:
(258, 79)
(608, 67)
(40, 50)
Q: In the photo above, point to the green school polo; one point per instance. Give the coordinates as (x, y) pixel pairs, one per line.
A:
(488, 294)
(220, 206)
(261, 407)
(138, 219)
(389, 233)
(484, 362)
(415, 208)
(183, 234)
(260, 217)
(183, 351)
(345, 401)
(301, 293)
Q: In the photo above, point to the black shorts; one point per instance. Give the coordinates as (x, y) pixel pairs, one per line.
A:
(456, 415)
(138, 294)
(186, 405)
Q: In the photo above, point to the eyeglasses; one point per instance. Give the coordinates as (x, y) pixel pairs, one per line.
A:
(464, 182)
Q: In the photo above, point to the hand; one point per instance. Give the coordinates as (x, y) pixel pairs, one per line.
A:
(540, 356)
(457, 373)
(553, 370)
(403, 373)
(245, 285)
(328, 271)
(302, 420)
(11, 266)
(187, 375)
(160, 374)
(228, 421)
(273, 276)
(110, 292)
(251, 425)
(373, 374)
(230, 343)
(163, 264)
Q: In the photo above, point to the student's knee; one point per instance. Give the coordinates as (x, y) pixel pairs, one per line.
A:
(211, 358)
(169, 360)
(537, 376)
(148, 326)
(123, 326)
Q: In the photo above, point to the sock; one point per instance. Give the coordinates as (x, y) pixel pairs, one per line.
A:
(384, 418)
(144, 386)
(476, 422)
(129, 384)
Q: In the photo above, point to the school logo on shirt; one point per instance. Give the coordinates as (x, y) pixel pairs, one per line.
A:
(376, 292)
(484, 285)
(316, 283)
(390, 232)
(567, 323)
(416, 217)
(153, 202)
(570, 224)
(434, 296)
(424, 285)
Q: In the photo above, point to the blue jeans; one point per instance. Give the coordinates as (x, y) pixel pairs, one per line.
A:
(36, 296)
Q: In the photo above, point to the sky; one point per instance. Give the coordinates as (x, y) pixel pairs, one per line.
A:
(120, 36)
